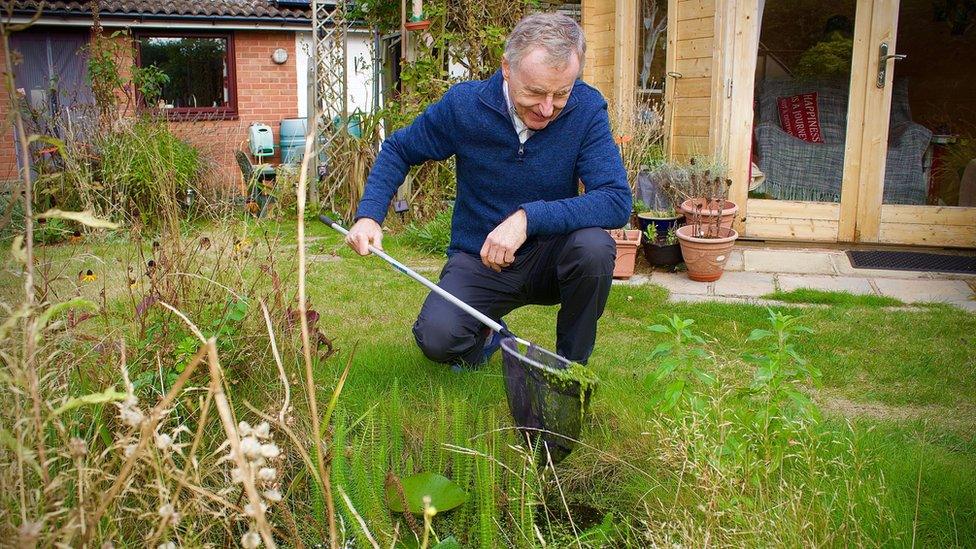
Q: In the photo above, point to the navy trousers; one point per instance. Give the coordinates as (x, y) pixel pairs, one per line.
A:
(574, 270)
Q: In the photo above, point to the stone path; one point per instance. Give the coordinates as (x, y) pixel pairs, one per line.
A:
(756, 271)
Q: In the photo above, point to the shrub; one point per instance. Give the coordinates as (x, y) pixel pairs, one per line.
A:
(432, 237)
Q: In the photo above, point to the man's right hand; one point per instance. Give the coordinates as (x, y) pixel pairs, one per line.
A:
(365, 232)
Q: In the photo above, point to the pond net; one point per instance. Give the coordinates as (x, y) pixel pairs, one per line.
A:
(548, 396)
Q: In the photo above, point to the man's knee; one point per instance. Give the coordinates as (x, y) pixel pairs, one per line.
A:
(588, 252)
(441, 339)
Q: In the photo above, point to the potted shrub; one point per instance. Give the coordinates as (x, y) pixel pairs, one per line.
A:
(698, 188)
(706, 242)
(662, 250)
(626, 241)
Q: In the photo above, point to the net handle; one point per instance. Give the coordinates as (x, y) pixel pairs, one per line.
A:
(485, 319)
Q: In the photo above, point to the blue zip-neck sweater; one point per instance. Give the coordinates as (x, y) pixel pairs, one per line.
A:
(496, 175)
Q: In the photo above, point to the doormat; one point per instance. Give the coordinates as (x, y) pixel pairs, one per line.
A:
(912, 261)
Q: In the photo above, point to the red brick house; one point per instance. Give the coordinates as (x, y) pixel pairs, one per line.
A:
(231, 63)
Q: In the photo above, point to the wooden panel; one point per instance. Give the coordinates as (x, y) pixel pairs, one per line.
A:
(689, 145)
(745, 39)
(779, 228)
(792, 209)
(929, 235)
(860, 80)
(597, 23)
(695, 49)
(693, 9)
(625, 54)
(693, 87)
(928, 215)
(691, 106)
(691, 125)
(670, 68)
(696, 28)
(874, 143)
(694, 68)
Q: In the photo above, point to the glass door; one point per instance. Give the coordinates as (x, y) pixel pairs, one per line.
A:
(804, 111)
(926, 191)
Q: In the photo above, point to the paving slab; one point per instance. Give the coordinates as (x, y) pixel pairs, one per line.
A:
(745, 284)
(788, 261)
(735, 262)
(679, 283)
(788, 283)
(912, 291)
(968, 305)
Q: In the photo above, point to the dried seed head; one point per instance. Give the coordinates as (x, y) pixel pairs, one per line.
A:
(250, 511)
(28, 532)
(77, 447)
(263, 430)
(251, 540)
(267, 474)
(272, 495)
(270, 450)
(250, 447)
(236, 475)
(166, 545)
(244, 428)
(164, 441)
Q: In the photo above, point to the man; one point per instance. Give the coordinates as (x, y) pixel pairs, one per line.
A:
(521, 233)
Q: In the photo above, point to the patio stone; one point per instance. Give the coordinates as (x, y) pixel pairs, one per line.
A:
(912, 291)
(787, 261)
(679, 283)
(744, 284)
(735, 262)
(826, 283)
(968, 305)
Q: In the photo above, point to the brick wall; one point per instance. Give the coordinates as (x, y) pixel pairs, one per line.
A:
(266, 92)
(8, 156)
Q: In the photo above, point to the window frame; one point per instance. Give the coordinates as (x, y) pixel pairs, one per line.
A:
(230, 112)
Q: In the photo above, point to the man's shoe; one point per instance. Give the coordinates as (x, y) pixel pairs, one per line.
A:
(493, 340)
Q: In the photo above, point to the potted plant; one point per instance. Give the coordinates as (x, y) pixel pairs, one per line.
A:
(662, 250)
(698, 188)
(626, 241)
(706, 241)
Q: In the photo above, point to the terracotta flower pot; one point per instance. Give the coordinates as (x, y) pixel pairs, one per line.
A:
(627, 242)
(709, 212)
(705, 257)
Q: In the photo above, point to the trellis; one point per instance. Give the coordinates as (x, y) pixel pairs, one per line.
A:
(330, 108)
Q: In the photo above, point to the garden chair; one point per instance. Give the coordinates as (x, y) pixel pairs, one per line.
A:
(257, 184)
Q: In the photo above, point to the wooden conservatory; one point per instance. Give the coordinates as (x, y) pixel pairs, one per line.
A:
(839, 121)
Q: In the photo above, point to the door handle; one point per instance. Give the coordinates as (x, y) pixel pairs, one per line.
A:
(883, 57)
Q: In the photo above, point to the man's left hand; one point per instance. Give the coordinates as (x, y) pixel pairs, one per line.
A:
(499, 248)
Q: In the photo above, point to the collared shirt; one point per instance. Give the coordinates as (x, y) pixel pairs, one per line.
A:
(523, 131)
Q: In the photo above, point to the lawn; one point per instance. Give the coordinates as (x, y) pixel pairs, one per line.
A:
(885, 455)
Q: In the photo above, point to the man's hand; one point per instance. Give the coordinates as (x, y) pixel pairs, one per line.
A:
(365, 232)
(499, 249)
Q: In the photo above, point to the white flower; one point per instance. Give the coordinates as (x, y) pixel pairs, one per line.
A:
(164, 441)
(250, 447)
(267, 474)
(263, 430)
(270, 450)
(244, 428)
(273, 495)
(251, 540)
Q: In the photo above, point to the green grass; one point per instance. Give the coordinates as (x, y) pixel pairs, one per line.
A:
(844, 299)
(848, 480)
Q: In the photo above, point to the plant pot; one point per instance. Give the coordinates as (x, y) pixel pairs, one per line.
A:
(662, 255)
(705, 257)
(662, 224)
(626, 242)
(709, 212)
(417, 25)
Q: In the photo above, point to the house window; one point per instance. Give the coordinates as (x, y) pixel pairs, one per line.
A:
(200, 68)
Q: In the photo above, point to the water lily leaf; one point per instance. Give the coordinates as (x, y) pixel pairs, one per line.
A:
(109, 395)
(85, 218)
(444, 493)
